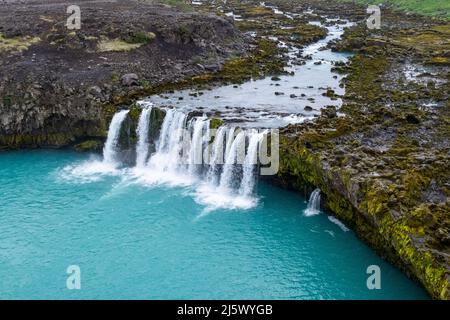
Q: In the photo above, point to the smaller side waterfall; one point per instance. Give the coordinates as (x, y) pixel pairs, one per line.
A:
(313, 204)
(142, 132)
(110, 148)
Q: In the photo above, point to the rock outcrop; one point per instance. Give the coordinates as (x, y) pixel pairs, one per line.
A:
(56, 84)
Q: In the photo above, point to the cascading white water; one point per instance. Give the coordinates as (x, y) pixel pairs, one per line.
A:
(109, 150)
(206, 142)
(250, 163)
(230, 139)
(164, 134)
(313, 204)
(142, 147)
(170, 146)
(217, 157)
(224, 173)
(234, 157)
(196, 148)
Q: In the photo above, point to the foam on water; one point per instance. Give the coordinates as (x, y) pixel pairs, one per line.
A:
(215, 198)
(339, 223)
(88, 171)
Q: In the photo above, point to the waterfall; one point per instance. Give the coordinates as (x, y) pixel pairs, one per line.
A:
(196, 150)
(250, 163)
(170, 144)
(217, 156)
(232, 160)
(164, 135)
(230, 139)
(222, 169)
(142, 131)
(313, 204)
(109, 150)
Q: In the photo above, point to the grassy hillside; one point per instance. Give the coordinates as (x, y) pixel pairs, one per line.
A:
(439, 8)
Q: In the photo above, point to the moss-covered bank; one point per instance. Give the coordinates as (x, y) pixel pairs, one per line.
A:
(383, 165)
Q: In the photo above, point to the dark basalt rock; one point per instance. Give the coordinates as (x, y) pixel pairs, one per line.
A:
(58, 87)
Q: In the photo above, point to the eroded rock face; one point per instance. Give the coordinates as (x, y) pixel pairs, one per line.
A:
(56, 84)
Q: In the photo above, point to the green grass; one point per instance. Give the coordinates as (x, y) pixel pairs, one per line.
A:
(438, 8)
(180, 4)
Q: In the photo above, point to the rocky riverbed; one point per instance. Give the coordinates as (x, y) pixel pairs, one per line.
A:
(381, 157)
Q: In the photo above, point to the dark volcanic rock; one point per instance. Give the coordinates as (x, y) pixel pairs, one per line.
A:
(56, 84)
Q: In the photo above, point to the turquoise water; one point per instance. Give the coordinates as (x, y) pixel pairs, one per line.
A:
(135, 241)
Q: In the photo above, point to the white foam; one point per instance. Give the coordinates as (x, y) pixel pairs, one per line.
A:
(88, 171)
(151, 177)
(215, 198)
(339, 223)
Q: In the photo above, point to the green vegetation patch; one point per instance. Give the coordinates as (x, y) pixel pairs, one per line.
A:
(116, 45)
(17, 44)
(438, 8)
(132, 42)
